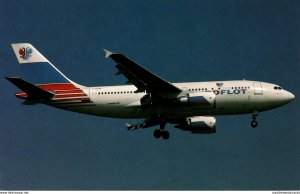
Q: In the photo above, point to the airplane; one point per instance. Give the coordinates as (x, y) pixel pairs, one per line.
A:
(189, 106)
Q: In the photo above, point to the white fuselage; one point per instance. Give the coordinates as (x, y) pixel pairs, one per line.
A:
(190, 106)
(231, 97)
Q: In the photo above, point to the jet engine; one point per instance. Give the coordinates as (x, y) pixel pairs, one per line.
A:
(198, 124)
(199, 99)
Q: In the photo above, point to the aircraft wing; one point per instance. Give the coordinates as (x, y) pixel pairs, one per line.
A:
(142, 78)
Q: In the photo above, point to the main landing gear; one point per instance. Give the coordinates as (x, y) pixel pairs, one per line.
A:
(161, 132)
(254, 119)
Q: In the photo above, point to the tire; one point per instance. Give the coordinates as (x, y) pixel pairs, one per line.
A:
(254, 123)
(157, 133)
(165, 135)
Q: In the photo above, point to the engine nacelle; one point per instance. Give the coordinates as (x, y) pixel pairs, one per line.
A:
(199, 124)
(199, 99)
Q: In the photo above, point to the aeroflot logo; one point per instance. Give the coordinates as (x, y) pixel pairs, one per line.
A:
(234, 91)
(25, 53)
(220, 84)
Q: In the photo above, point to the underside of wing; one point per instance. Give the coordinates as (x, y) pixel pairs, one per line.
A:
(142, 78)
(34, 92)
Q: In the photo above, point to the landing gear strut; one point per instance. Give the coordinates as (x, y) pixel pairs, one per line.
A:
(161, 132)
(254, 119)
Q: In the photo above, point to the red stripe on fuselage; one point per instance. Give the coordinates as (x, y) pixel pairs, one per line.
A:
(67, 91)
(62, 91)
(70, 99)
(70, 95)
(66, 86)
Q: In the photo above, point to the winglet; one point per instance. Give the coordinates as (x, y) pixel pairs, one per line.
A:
(107, 53)
(129, 127)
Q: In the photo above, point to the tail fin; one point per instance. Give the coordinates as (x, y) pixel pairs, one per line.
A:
(44, 82)
(37, 69)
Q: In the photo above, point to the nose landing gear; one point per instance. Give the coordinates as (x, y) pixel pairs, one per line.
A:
(254, 122)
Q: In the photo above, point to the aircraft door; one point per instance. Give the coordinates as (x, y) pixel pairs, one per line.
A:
(257, 88)
(185, 89)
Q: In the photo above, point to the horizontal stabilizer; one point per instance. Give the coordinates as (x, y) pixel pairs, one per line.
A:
(135, 126)
(33, 91)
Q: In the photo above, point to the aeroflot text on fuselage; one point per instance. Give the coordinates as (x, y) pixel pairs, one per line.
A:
(230, 91)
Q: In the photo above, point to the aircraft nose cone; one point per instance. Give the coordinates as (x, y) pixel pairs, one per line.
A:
(289, 96)
(283, 98)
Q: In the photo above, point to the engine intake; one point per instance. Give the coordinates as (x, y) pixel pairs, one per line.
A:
(198, 124)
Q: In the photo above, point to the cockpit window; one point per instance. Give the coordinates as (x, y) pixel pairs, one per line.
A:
(277, 88)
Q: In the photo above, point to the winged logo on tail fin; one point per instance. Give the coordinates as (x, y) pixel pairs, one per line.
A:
(25, 53)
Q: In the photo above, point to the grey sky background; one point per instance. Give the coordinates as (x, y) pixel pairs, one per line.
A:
(46, 148)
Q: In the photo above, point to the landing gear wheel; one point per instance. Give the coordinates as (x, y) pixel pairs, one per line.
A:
(165, 135)
(161, 132)
(254, 123)
(254, 119)
(157, 133)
